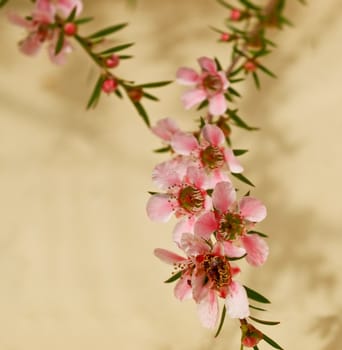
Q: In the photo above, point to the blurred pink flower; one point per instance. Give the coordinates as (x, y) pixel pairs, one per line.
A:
(210, 85)
(39, 29)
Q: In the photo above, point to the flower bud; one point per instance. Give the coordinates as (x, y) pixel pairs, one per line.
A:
(135, 94)
(225, 37)
(235, 15)
(70, 28)
(250, 66)
(250, 335)
(112, 61)
(109, 85)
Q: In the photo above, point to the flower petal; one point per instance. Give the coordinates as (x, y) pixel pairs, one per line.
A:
(66, 6)
(31, 45)
(168, 257)
(165, 175)
(232, 162)
(252, 209)
(233, 251)
(184, 143)
(44, 11)
(200, 288)
(193, 245)
(208, 310)
(165, 129)
(224, 80)
(237, 301)
(208, 65)
(159, 208)
(206, 225)
(183, 288)
(217, 104)
(195, 176)
(213, 134)
(193, 97)
(223, 196)
(183, 226)
(187, 76)
(257, 249)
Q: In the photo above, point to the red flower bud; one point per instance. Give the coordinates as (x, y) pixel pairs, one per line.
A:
(135, 94)
(70, 28)
(235, 15)
(250, 66)
(225, 37)
(250, 335)
(109, 85)
(112, 61)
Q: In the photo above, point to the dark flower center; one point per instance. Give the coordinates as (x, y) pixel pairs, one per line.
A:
(191, 199)
(212, 84)
(217, 269)
(232, 226)
(212, 157)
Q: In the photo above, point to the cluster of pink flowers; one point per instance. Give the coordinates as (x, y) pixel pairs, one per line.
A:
(213, 227)
(42, 27)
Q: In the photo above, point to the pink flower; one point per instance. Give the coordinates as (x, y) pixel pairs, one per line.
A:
(209, 85)
(38, 28)
(206, 274)
(211, 152)
(232, 220)
(185, 195)
(165, 129)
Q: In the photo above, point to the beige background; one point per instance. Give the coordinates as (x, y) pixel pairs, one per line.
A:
(76, 264)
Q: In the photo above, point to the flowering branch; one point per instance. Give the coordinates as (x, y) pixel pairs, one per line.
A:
(57, 23)
(215, 229)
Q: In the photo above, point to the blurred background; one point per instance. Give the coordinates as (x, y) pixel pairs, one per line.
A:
(76, 263)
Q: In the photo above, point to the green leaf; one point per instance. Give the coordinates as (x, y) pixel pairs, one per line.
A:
(243, 179)
(95, 96)
(256, 80)
(72, 15)
(141, 110)
(257, 308)
(233, 92)
(250, 5)
(108, 30)
(155, 85)
(238, 121)
(60, 42)
(3, 2)
(258, 233)
(174, 277)
(218, 64)
(225, 4)
(271, 342)
(150, 97)
(268, 323)
(162, 149)
(223, 316)
(238, 258)
(265, 70)
(203, 104)
(239, 152)
(236, 80)
(118, 93)
(115, 49)
(255, 347)
(216, 30)
(125, 57)
(252, 294)
(83, 20)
